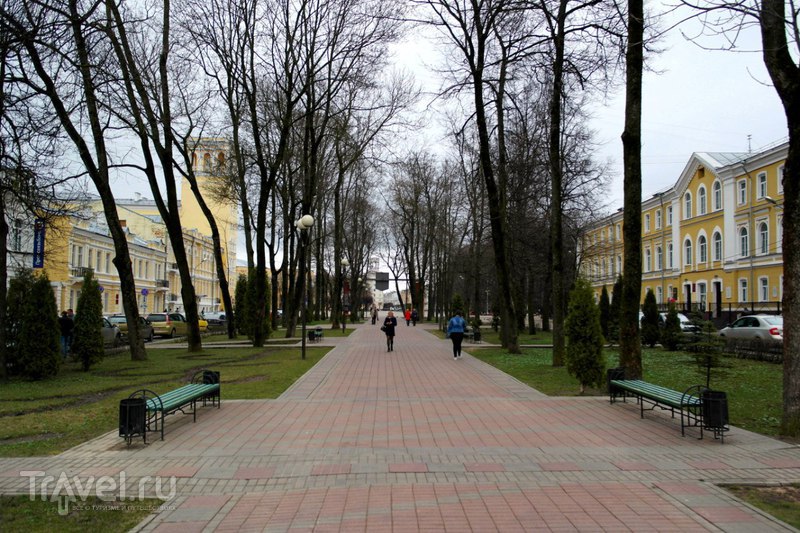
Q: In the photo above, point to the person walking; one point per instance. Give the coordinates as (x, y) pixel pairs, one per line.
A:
(389, 323)
(408, 317)
(414, 317)
(66, 324)
(455, 330)
(374, 314)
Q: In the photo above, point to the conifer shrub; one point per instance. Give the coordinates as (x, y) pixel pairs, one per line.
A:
(650, 330)
(38, 353)
(584, 351)
(671, 334)
(605, 312)
(87, 337)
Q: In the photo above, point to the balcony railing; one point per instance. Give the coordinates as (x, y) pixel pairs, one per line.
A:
(79, 272)
(162, 283)
(172, 297)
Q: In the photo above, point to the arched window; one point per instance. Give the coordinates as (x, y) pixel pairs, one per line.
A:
(702, 249)
(670, 256)
(687, 205)
(763, 238)
(701, 201)
(717, 242)
(717, 196)
(744, 243)
(659, 258)
(206, 162)
(687, 252)
(220, 160)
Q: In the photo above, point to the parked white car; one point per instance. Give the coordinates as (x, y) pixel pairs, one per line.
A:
(764, 327)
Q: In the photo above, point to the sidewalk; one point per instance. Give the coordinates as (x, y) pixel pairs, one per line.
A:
(414, 441)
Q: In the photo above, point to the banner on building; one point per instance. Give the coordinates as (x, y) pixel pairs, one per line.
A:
(38, 243)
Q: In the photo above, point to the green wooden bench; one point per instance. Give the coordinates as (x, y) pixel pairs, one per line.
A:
(204, 387)
(688, 403)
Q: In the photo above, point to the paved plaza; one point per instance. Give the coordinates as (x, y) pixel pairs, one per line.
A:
(414, 441)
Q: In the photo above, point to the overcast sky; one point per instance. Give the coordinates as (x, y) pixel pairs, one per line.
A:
(694, 100)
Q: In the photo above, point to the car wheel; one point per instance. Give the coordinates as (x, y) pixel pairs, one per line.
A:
(117, 341)
(171, 333)
(150, 337)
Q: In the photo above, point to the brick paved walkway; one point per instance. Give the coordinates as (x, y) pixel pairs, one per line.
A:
(415, 441)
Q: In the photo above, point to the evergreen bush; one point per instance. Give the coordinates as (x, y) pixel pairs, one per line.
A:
(87, 337)
(671, 334)
(605, 312)
(650, 331)
(38, 351)
(615, 310)
(240, 306)
(19, 290)
(584, 351)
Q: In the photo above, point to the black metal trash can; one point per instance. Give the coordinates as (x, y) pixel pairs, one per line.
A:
(614, 373)
(132, 418)
(476, 337)
(210, 377)
(715, 412)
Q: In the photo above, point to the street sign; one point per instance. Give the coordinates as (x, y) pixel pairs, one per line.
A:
(382, 281)
(38, 243)
(145, 292)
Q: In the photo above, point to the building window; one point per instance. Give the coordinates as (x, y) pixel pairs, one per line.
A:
(687, 205)
(99, 259)
(780, 179)
(659, 295)
(761, 191)
(207, 162)
(647, 259)
(702, 249)
(659, 258)
(702, 294)
(16, 235)
(670, 262)
(647, 222)
(763, 238)
(741, 188)
(717, 196)
(618, 232)
(744, 243)
(717, 240)
(108, 262)
(701, 201)
(779, 236)
(687, 252)
(79, 249)
(658, 219)
(669, 215)
(619, 264)
(763, 289)
(743, 290)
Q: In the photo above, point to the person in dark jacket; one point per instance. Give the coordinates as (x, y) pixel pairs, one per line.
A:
(414, 316)
(455, 330)
(67, 325)
(389, 323)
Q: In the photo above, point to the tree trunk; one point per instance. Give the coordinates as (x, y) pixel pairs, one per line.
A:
(630, 345)
(556, 180)
(785, 76)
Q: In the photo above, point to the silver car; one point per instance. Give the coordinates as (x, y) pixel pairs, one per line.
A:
(111, 334)
(765, 327)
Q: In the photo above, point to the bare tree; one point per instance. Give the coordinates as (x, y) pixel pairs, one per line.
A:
(63, 61)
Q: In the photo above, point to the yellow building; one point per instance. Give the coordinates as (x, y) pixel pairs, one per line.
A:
(711, 242)
(83, 243)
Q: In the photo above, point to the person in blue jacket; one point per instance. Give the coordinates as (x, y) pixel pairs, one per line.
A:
(389, 323)
(455, 330)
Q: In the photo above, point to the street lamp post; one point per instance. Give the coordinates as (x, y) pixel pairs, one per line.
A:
(305, 223)
(345, 263)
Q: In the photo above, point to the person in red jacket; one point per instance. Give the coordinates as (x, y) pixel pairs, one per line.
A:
(408, 317)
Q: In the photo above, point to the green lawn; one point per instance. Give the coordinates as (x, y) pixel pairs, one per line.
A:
(48, 417)
(18, 513)
(753, 388)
